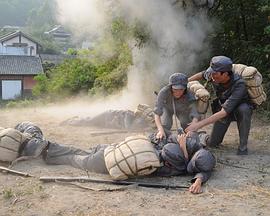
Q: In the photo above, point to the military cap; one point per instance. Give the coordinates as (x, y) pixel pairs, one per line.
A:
(220, 64)
(178, 81)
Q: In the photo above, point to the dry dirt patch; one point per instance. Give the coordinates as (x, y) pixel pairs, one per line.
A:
(240, 185)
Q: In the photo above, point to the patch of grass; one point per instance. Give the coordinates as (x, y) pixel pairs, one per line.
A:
(7, 193)
(31, 188)
(259, 135)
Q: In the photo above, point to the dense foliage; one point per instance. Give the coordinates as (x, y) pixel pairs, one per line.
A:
(243, 33)
(99, 71)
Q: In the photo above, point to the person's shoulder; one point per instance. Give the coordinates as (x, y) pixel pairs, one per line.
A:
(206, 75)
(237, 79)
(165, 90)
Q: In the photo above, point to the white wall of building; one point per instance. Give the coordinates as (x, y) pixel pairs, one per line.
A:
(7, 49)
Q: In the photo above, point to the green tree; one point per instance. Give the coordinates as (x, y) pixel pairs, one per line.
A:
(69, 78)
(243, 33)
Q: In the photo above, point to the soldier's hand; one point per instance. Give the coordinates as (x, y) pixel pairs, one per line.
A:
(190, 133)
(160, 134)
(193, 126)
(182, 139)
(196, 187)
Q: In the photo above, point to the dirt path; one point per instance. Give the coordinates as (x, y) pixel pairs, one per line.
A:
(230, 191)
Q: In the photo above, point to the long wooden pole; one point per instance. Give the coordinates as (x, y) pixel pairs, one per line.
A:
(104, 181)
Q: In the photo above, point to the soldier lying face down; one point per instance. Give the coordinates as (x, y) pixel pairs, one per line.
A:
(143, 117)
(179, 155)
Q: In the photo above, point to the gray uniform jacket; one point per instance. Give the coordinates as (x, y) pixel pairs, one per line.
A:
(176, 163)
(186, 105)
(232, 96)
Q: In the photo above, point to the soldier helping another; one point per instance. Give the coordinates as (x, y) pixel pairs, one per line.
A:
(232, 103)
(175, 99)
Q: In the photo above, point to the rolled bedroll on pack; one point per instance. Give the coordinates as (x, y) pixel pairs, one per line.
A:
(82, 179)
(253, 80)
(201, 94)
(133, 157)
(10, 143)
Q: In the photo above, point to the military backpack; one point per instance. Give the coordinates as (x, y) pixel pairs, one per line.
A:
(253, 81)
(11, 144)
(135, 156)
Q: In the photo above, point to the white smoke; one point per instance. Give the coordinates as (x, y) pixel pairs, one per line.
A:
(82, 16)
(178, 39)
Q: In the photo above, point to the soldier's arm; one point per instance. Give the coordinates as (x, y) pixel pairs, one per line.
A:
(198, 180)
(182, 140)
(161, 132)
(239, 92)
(197, 76)
(211, 119)
(158, 110)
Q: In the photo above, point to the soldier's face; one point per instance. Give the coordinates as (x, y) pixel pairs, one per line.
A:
(219, 77)
(177, 93)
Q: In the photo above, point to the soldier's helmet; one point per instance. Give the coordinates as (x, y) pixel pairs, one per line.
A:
(178, 81)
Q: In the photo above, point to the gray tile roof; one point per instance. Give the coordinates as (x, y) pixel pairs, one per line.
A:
(20, 65)
(15, 34)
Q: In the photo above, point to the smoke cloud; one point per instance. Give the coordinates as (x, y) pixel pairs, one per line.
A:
(178, 39)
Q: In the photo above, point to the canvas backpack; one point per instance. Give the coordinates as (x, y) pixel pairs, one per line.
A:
(253, 81)
(135, 156)
(147, 113)
(11, 144)
(201, 94)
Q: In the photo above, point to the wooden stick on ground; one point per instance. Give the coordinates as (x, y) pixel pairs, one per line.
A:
(11, 171)
(97, 189)
(105, 181)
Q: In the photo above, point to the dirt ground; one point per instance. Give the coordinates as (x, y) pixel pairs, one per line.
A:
(240, 185)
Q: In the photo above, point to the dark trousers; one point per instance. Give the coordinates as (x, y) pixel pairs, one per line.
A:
(91, 160)
(242, 115)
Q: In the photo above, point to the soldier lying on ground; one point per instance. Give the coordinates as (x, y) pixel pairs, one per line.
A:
(177, 155)
(143, 117)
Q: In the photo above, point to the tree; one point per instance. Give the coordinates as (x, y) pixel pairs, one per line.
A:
(243, 33)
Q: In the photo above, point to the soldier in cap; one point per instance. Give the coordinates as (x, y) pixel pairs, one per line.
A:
(175, 99)
(182, 155)
(232, 103)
